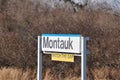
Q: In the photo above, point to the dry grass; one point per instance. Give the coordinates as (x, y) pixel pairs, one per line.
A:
(21, 22)
(17, 74)
(104, 73)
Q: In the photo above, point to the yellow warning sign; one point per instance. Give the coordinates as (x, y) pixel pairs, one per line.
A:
(62, 57)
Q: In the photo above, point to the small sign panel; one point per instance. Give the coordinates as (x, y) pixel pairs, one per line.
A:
(62, 57)
(69, 43)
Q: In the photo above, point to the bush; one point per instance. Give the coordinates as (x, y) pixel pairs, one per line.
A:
(21, 23)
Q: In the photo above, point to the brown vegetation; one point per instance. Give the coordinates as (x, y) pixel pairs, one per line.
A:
(21, 22)
(17, 74)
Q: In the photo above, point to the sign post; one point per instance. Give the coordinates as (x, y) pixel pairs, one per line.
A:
(83, 59)
(39, 75)
(74, 44)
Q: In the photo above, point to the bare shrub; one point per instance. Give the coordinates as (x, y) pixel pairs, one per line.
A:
(21, 23)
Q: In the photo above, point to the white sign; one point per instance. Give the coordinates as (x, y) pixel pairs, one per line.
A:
(63, 43)
(70, 43)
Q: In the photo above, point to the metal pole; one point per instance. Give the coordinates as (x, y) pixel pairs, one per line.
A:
(39, 73)
(83, 59)
(82, 49)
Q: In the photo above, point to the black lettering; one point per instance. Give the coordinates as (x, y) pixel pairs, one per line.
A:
(70, 44)
(55, 44)
(58, 43)
(45, 42)
(66, 44)
(62, 44)
(50, 44)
